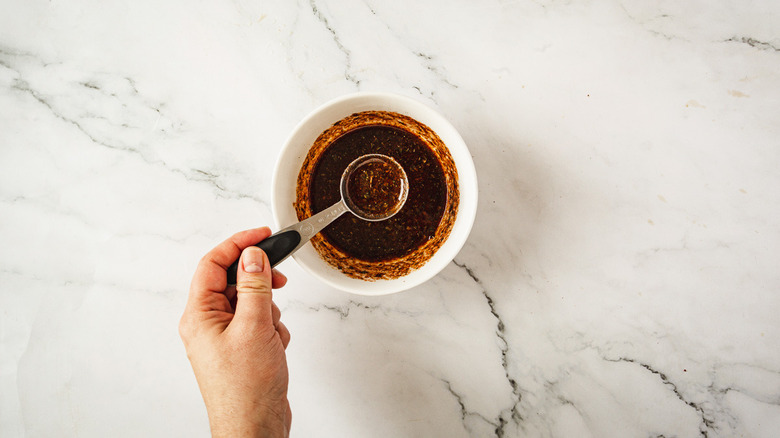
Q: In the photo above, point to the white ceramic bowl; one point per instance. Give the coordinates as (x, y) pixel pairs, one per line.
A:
(297, 146)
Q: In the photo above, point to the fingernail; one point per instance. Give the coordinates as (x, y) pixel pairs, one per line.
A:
(253, 260)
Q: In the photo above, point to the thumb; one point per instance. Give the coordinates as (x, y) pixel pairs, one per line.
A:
(253, 288)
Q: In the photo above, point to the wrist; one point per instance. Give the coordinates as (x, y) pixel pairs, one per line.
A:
(261, 423)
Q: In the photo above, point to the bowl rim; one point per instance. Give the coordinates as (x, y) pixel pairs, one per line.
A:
(295, 148)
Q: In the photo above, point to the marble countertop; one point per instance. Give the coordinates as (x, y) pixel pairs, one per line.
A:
(621, 278)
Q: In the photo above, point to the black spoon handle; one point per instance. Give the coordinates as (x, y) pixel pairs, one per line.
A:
(284, 242)
(276, 247)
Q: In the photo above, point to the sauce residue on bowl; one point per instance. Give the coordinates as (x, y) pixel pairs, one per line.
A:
(393, 247)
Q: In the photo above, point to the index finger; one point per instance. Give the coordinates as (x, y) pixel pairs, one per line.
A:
(211, 274)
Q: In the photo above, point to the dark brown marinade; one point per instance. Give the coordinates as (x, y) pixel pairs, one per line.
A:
(413, 225)
(376, 188)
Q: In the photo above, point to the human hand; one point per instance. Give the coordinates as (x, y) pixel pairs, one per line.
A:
(235, 341)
